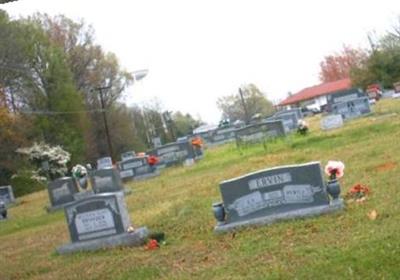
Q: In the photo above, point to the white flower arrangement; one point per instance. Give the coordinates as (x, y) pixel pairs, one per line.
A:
(79, 171)
(55, 157)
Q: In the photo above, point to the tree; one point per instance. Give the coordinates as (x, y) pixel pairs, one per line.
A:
(383, 63)
(338, 65)
(255, 101)
(184, 123)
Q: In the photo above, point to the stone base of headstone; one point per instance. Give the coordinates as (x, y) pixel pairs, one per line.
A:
(131, 239)
(335, 205)
(147, 176)
(55, 208)
(83, 194)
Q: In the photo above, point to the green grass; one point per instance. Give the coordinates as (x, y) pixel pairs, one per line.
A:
(344, 245)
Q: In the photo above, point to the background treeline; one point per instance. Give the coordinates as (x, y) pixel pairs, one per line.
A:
(50, 68)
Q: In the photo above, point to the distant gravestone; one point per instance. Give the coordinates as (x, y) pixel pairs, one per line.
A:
(61, 192)
(100, 221)
(106, 180)
(173, 153)
(221, 136)
(331, 122)
(289, 120)
(7, 195)
(297, 111)
(352, 109)
(274, 194)
(259, 132)
(345, 95)
(157, 142)
(128, 155)
(105, 162)
(137, 168)
(3, 210)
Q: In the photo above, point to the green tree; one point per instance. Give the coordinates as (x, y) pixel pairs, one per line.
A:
(184, 123)
(255, 102)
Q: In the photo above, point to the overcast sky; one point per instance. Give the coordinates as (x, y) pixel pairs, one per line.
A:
(197, 51)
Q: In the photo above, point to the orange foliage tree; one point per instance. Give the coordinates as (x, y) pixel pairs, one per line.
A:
(337, 66)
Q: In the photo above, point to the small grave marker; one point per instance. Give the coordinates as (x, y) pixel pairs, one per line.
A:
(7, 195)
(331, 122)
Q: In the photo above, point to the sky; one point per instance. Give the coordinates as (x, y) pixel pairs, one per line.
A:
(197, 51)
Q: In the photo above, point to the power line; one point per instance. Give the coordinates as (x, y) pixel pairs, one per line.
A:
(61, 113)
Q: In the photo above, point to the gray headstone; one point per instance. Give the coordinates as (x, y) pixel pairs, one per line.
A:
(127, 155)
(345, 95)
(353, 108)
(173, 153)
(260, 132)
(137, 167)
(105, 162)
(289, 120)
(272, 194)
(221, 136)
(157, 142)
(100, 221)
(7, 195)
(106, 180)
(331, 122)
(296, 111)
(62, 191)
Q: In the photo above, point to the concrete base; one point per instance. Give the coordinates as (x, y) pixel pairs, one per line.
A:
(334, 206)
(136, 238)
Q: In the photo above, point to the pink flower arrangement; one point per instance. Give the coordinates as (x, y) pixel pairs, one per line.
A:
(334, 169)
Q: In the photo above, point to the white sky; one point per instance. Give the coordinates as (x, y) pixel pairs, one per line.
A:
(197, 51)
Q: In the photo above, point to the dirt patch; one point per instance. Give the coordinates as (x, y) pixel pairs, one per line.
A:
(386, 166)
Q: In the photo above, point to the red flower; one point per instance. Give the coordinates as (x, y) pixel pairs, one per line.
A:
(197, 142)
(152, 160)
(152, 244)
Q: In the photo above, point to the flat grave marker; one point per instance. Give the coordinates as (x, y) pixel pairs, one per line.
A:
(274, 194)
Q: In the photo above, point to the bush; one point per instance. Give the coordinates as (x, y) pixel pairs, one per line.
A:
(23, 184)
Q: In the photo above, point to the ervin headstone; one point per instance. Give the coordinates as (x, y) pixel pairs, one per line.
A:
(100, 221)
(274, 194)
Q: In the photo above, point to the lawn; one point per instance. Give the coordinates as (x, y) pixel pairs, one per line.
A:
(345, 245)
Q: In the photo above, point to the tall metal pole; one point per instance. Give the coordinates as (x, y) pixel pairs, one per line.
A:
(110, 149)
(244, 106)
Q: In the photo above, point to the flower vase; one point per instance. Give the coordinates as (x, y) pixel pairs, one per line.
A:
(333, 188)
(219, 212)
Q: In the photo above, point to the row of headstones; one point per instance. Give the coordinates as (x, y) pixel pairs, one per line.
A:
(343, 106)
(278, 125)
(258, 198)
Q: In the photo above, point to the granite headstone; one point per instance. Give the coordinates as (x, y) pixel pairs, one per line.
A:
(106, 180)
(259, 132)
(274, 194)
(100, 221)
(173, 153)
(61, 192)
(105, 162)
(353, 108)
(331, 122)
(7, 195)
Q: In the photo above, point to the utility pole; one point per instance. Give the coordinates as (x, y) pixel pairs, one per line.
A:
(244, 106)
(100, 89)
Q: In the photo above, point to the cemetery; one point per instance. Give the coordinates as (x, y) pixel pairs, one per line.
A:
(233, 214)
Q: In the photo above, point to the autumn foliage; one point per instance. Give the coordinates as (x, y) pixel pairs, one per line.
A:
(337, 66)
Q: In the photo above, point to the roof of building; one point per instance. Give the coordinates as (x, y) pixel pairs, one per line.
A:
(318, 90)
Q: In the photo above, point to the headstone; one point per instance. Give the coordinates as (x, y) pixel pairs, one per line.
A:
(222, 136)
(105, 162)
(100, 221)
(274, 194)
(128, 155)
(331, 122)
(3, 210)
(259, 132)
(61, 192)
(157, 142)
(353, 108)
(106, 180)
(7, 195)
(343, 96)
(173, 153)
(297, 111)
(289, 120)
(137, 168)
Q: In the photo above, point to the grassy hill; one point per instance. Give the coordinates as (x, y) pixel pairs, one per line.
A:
(346, 245)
